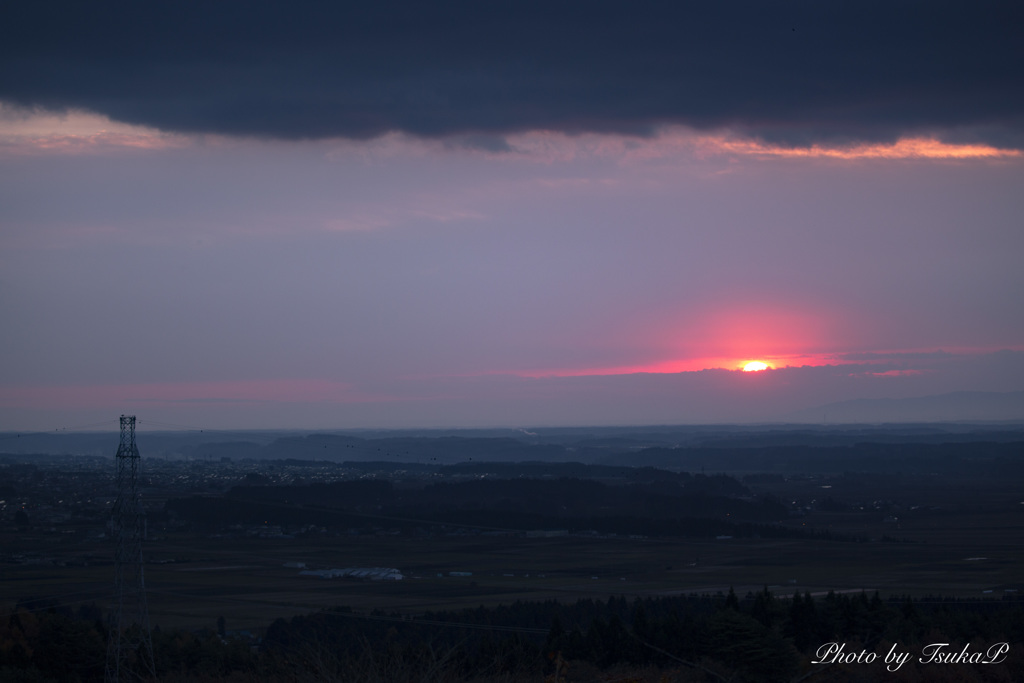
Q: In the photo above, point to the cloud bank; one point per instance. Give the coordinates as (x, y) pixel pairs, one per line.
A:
(795, 73)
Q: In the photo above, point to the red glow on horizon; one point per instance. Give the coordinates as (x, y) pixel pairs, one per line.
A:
(684, 365)
(727, 337)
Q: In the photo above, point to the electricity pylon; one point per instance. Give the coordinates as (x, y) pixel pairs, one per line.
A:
(129, 647)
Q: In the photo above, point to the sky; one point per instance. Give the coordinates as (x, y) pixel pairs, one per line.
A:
(323, 215)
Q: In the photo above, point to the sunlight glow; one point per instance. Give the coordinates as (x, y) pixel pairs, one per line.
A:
(705, 364)
(755, 366)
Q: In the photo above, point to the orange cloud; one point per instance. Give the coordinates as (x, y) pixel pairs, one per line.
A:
(675, 141)
(906, 148)
(79, 144)
(75, 132)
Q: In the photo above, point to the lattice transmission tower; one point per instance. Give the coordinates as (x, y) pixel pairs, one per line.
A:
(130, 647)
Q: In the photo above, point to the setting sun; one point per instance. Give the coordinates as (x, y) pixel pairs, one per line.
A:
(755, 366)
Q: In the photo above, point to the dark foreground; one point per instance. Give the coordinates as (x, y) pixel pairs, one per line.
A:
(786, 561)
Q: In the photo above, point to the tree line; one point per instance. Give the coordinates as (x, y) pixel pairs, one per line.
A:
(759, 637)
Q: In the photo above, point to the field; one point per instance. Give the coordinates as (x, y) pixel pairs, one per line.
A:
(972, 551)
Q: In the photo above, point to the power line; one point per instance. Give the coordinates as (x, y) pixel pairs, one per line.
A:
(59, 430)
(112, 424)
(191, 428)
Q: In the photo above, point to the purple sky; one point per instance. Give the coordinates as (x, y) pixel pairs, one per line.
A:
(538, 271)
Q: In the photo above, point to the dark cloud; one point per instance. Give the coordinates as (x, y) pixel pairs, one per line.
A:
(786, 71)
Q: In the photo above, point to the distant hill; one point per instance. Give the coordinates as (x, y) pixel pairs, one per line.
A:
(958, 406)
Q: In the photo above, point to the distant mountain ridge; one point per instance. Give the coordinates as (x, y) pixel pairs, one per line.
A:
(956, 406)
